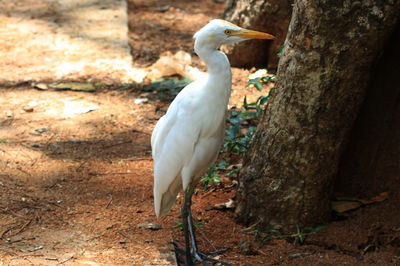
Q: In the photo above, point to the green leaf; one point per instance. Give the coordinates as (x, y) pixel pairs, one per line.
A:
(222, 164)
(258, 86)
(280, 50)
(254, 80)
(267, 79)
(179, 225)
(245, 101)
(263, 100)
(233, 171)
(300, 236)
(317, 228)
(217, 179)
(249, 105)
(265, 239)
(276, 231)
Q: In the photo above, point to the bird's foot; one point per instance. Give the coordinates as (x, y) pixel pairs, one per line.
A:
(203, 257)
(199, 257)
(179, 253)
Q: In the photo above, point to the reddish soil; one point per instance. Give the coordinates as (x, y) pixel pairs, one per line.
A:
(74, 187)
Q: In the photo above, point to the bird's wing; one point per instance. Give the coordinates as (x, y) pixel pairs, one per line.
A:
(160, 131)
(173, 141)
(178, 111)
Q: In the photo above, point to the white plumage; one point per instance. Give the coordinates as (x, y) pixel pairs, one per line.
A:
(186, 140)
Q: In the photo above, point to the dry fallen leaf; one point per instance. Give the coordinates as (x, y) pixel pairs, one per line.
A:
(230, 204)
(381, 197)
(345, 204)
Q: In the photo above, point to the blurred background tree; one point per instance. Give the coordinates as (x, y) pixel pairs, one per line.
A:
(336, 53)
(271, 16)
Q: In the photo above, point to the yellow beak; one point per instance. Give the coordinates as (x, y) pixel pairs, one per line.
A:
(252, 34)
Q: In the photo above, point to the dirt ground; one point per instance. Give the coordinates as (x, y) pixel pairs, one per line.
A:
(76, 174)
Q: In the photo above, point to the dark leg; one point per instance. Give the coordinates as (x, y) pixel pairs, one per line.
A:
(186, 225)
(190, 236)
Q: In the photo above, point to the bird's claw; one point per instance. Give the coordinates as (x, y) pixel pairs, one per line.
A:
(202, 257)
(199, 256)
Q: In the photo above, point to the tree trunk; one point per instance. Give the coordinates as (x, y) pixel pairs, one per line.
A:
(371, 162)
(271, 16)
(287, 178)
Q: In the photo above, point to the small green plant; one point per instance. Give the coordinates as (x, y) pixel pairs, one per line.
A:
(179, 225)
(242, 123)
(258, 82)
(237, 138)
(267, 235)
(280, 50)
(298, 237)
(210, 178)
(301, 234)
(240, 130)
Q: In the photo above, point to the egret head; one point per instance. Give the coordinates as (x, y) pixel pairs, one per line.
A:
(218, 32)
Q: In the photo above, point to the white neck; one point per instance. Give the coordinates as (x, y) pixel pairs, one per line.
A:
(215, 60)
(218, 68)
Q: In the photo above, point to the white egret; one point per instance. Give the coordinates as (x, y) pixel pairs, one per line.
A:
(186, 140)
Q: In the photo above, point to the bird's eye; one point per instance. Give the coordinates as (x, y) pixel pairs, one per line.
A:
(228, 32)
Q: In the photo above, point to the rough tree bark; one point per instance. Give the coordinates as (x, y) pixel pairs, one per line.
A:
(371, 161)
(271, 16)
(330, 48)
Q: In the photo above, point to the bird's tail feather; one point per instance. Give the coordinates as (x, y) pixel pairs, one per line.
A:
(164, 203)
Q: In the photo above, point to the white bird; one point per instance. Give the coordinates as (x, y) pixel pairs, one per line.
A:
(186, 140)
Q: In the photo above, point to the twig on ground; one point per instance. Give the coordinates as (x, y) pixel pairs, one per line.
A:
(81, 165)
(109, 202)
(208, 192)
(31, 255)
(140, 131)
(14, 214)
(34, 162)
(205, 238)
(262, 252)
(23, 171)
(136, 159)
(6, 231)
(22, 239)
(49, 141)
(23, 227)
(26, 259)
(116, 173)
(64, 261)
